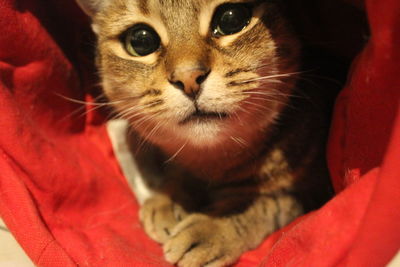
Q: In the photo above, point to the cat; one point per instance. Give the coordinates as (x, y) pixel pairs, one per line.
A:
(233, 151)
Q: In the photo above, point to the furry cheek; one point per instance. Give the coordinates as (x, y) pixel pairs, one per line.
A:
(216, 97)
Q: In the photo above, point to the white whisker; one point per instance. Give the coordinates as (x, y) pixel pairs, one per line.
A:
(239, 141)
(176, 154)
(268, 78)
(259, 107)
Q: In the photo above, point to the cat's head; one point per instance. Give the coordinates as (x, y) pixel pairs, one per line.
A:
(199, 72)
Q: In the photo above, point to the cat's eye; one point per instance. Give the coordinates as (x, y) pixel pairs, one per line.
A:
(231, 18)
(141, 40)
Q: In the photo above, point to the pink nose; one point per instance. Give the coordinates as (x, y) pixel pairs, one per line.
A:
(189, 80)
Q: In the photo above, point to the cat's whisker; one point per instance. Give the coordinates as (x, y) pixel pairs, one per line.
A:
(262, 66)
(271, 97)
(265, 80)
(81, 108)
(153, 131)
(269, 81)
(176, 153)
(131, 110)
(239, 141)
(87, 102)
(247, 81)
(282, 75)
(78, 111)
(335, 81)
(267, 93)
(89, 110)
(149, 135)
(130, 116)
(269, 100)
(96, 104)
(276, 92)
(268, 78)
(267, 97)
(258, 107)
(271, 94)
(236, 115)
(141, 145)
(113, 115)
(269, 64)
(304, 79)
(244, 110)
(125, 114)
(146, 117)
(138, 123)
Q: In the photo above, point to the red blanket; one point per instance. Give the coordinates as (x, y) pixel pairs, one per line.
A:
(64, 198)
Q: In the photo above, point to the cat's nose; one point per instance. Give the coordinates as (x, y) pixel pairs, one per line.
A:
(189, 80)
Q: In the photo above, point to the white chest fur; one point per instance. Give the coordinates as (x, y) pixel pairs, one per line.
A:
(117, 131)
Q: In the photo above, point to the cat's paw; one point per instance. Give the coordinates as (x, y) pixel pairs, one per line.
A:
(200, 240)
(159, 215)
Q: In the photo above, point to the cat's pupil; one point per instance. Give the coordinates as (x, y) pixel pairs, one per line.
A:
(231, 18)
(141, 40)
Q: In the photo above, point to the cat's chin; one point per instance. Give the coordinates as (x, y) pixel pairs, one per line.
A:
(201, 131)
(200, 117)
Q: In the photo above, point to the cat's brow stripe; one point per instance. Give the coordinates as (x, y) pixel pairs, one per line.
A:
(151, 92)
(143, 7)
(234, 83)
(236, 71)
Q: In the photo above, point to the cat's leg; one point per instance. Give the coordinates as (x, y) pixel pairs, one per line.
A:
(204, 240)
(159, 215)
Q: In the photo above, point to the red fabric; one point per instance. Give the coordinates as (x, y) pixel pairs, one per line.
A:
(64, 198)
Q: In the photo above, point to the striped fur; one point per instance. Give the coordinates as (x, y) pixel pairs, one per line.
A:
(224, 182)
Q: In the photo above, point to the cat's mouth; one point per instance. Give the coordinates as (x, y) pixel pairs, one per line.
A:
(202, 116)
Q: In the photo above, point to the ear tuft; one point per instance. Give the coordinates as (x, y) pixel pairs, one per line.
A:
(91, 7)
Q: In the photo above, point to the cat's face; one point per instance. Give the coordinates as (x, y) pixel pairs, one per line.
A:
(194, 71)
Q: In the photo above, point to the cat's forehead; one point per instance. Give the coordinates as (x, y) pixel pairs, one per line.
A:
(172, 14)
(173, 5)
(166, 8)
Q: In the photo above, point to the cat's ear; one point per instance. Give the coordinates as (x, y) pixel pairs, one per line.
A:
(91, 7)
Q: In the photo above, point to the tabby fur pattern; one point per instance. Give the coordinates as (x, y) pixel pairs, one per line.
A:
(236, 162)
